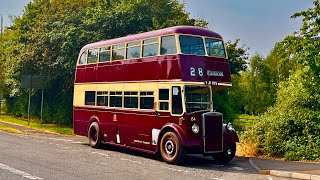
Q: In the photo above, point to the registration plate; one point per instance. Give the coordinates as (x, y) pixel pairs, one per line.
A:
(215, 73)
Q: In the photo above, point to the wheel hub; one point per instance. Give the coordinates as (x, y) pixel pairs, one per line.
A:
(169, 147)
(94, 135)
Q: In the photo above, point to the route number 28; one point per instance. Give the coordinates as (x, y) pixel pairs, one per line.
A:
(193, 71)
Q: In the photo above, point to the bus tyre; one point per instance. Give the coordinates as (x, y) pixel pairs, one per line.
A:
(170, 148)
(94, 135)
(226, 155)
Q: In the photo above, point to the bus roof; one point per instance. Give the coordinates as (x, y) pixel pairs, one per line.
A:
(171, 30)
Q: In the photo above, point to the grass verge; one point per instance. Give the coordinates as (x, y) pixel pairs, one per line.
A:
(10, 130)
(34, 125)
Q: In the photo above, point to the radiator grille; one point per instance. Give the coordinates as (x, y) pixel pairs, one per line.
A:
(212, 123)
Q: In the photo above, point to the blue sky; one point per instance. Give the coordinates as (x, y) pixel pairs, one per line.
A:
(259, 24)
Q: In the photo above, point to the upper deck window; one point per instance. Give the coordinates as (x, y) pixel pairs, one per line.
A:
(93, 56)
(104, 54)
(150, 47)
(133, 50)
(215, 48)
(191, 45)
(168, 45)
(83, 58)
(118, 52)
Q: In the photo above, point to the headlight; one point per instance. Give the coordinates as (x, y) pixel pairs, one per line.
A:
(195, 128)
(229, 127)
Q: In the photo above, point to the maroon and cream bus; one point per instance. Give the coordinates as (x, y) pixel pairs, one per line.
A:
(152, 92)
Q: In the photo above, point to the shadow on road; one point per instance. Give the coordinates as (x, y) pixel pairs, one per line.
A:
(193, 161)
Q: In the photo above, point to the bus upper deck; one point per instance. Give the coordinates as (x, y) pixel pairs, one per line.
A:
(181, 53)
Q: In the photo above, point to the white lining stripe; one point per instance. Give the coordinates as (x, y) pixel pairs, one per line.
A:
(18, 172)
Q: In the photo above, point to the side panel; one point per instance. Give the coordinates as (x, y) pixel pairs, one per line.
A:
(135, 127)
(91, 73)
(80, 74)
(144, 69)
(78, 122)
(202, 69)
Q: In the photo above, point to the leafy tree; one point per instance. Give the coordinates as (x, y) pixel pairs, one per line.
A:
(47, 38)
(237, 56)
(291, 128)
(230, 101)
(259, 85)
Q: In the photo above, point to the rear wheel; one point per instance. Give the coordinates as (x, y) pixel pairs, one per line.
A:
(226, 155)
(170, 148)
(94, 135)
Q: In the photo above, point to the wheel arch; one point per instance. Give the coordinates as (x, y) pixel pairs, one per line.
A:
(174, 128)
(93, 119)
(229, 136)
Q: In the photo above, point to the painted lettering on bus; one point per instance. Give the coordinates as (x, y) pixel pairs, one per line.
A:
(213, 83)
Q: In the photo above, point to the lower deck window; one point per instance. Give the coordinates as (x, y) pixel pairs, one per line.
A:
(131, 99)
(102, 98)
(146, 100)
(176, 100)
(115, 99)
(163, 99)
(131, 102)
(90, 98)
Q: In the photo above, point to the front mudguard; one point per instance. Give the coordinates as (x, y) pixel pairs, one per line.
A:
(229, 136)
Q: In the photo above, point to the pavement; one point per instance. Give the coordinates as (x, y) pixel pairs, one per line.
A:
(287, 169)
(273, 167)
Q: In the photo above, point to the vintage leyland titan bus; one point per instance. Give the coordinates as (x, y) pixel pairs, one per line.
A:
(152, 92)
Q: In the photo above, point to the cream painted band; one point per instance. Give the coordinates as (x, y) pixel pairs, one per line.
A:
(81, 88)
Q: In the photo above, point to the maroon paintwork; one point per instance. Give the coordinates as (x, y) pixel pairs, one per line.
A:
(159, 68)
(134, 124)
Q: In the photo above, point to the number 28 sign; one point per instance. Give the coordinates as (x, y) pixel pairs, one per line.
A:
(193, 72)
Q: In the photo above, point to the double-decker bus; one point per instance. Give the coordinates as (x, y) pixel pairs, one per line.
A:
(152, 92)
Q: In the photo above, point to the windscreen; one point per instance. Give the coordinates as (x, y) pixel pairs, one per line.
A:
(198, 98)
(215, 48)
(195, 45)
(191, 45)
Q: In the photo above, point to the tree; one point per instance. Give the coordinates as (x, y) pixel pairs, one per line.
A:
(230, 101)
(237, 56)
(47, 38)
(291, 128)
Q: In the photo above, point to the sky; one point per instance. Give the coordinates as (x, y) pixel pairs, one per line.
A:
(259, 24)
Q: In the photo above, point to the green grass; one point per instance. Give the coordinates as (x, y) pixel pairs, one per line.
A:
(9, 129)
(35, 125)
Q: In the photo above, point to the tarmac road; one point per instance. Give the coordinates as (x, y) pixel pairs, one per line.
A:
(48, 156)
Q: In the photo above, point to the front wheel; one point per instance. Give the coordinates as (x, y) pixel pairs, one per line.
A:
(226, 155)
(170, 148)
(94, 135)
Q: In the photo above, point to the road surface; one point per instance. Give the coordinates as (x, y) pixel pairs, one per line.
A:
(48, 156)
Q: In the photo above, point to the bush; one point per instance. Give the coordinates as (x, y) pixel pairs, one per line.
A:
(291, 128)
